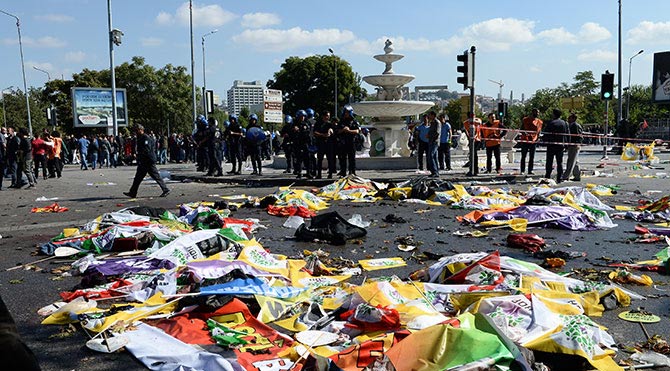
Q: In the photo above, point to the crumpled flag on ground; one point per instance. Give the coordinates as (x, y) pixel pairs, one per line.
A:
(602, 190)
(575, 196)
(265, 344)
(524, 271)
(527, 241)
(291, 202)
(53, 208)
(662, 204)
(551, 325)
(444, 346)
(482, 198)
(638, 152)
(190, 246)
(351, 187)
(561, 217)
(161, 352)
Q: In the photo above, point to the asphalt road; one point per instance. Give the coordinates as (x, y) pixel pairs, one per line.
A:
(25, 291)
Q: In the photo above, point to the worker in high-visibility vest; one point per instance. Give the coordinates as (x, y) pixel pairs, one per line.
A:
(492, 130)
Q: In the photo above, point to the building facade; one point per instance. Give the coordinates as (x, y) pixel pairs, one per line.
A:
(244, 94)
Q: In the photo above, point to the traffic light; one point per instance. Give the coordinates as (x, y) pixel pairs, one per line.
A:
(502, 110)
(607, 86)
(465, 69)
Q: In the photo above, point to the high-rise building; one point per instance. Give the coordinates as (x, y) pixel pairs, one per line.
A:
(244, 94)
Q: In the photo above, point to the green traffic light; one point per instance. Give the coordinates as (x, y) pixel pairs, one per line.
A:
(607, 94)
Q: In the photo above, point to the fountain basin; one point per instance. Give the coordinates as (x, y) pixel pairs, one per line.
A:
(389, 80)
(397, 108)
(388, 58)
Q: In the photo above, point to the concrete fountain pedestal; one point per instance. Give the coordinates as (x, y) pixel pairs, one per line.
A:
(391, 137)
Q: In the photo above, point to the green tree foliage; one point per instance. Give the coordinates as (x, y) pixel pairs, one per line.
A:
(16, 114)
(310, 83)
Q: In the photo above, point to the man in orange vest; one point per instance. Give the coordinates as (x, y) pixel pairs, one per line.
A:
(492, 131)
(531, 126)
(474, 138)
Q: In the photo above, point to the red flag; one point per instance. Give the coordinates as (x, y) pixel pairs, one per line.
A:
(645, 125)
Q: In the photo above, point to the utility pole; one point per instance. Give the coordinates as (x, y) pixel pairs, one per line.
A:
(619, 103)
(190, 12)
(473, 161)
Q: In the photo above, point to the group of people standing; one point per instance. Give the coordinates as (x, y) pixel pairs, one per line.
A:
(433, 138)
(98, 151)
(307, 140)
(559, 137)
(20, 155)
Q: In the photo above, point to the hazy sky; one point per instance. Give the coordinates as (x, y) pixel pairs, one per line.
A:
(527, 44)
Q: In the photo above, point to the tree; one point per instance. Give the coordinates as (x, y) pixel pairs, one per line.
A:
(310, 83)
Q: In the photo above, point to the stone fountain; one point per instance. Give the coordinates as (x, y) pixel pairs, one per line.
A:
(390, 138)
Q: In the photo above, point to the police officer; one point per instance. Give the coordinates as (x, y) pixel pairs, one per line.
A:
(300, 139)
(347, 130)
(286, 144)
(213, 144)
(146, 163)
(311, 146)
(324, 136)
(233, 135)
(200, 137)
(255, 139)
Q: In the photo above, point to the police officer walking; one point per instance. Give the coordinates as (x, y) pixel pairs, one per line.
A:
(233, 136)
(146, 163)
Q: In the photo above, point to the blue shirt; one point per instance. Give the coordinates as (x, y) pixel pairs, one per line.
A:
(445, 136)
(422, 130)
(83, 145)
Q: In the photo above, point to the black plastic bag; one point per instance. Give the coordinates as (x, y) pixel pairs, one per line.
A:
(331, 227)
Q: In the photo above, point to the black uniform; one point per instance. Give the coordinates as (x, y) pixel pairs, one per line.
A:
(146, 164)
(200, 138)
(300, 139)
(233, 136)
(312, 148)
(287, 146)
(554, 136)
(325, 146)
(347, 146)
(212, 151)
(254, 149)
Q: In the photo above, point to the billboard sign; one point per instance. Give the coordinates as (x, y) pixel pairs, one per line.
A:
(92, 107)
(272, 106)
(660, 85)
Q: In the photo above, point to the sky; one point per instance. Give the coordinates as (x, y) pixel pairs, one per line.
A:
(528, 45)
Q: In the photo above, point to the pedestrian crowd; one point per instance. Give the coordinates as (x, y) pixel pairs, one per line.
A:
(307, 139)
(558, 136)
(21, 155)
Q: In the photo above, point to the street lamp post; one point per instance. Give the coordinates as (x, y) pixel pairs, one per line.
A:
(190, 17)
(23, 69)
(204, 78)
(114, 38)
(4, 110)
(335, 59)
(630, 67)
(41, 70)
